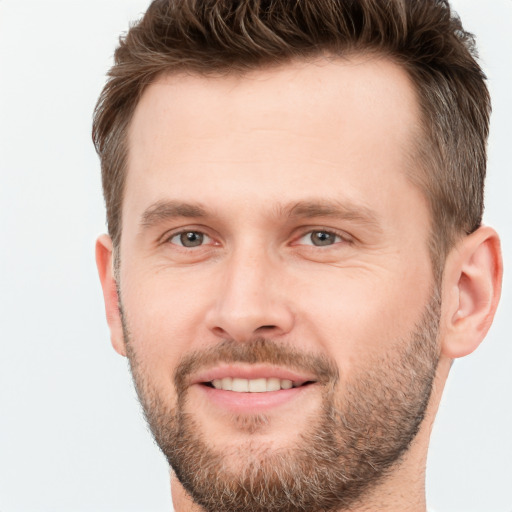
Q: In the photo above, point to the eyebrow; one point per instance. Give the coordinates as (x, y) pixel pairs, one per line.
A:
(337, 209)
(168, 210)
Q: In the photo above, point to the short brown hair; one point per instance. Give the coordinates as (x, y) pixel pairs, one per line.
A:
(212, 36)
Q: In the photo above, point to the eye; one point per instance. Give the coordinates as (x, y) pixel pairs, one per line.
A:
(190, 239)
(320, 238)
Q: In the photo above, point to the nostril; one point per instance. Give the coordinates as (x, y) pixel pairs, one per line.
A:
(218, 331)
(266, 328)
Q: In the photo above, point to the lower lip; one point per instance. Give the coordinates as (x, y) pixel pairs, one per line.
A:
(252, 402)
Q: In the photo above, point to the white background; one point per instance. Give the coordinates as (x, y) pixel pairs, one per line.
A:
(71, 434)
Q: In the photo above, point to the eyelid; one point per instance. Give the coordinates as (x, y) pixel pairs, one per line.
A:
(345, 237)
(205, 240)
(169, 235)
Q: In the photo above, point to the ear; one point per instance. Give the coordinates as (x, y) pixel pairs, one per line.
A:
(471, 291)
(104, 262)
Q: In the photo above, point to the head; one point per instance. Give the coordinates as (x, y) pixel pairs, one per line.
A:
(294, 194)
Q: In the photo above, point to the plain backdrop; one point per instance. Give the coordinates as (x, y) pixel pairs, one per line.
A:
(72, 437)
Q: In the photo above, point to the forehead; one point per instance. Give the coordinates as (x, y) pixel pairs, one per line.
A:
(281, 129)
(330, 91)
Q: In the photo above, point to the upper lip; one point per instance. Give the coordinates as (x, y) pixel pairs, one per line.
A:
(251, 371)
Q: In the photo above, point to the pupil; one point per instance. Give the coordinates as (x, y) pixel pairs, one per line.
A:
(191, 239)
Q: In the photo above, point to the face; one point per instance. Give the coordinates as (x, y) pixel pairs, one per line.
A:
(277, 294)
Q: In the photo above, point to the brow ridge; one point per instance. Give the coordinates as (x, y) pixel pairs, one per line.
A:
(165, 210)
(335, 209)
(170, 209)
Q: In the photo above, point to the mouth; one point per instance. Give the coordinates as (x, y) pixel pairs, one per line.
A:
(252, 388)
(259, 385)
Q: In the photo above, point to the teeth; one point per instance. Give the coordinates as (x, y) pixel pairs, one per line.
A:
(286, 384)
(240, 385)
(258, 386)
(273, 384)
(251, 385)
(227, 383)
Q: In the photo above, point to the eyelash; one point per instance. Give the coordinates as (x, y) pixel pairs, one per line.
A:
(343, 237)
(168, 239)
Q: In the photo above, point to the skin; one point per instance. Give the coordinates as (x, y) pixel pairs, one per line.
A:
(248, 150)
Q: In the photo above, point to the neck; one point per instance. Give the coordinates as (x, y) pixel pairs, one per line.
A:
(181, 501)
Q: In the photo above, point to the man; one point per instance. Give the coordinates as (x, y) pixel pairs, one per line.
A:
(296, 256)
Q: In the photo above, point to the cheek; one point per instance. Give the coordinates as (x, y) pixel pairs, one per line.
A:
(362, 313)
(163, 321)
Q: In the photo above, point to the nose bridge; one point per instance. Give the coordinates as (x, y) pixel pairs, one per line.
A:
(250, 301)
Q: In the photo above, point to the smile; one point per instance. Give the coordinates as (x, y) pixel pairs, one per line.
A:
(252, 388)
(261, 385)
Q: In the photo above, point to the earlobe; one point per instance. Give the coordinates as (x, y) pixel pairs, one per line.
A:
(104, 262)
(471, 291)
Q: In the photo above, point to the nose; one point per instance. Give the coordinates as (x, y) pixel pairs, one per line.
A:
(251, 299)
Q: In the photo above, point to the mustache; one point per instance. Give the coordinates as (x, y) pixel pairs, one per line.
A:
(259, 350)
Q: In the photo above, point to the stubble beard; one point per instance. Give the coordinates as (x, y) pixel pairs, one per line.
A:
(362, 430)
